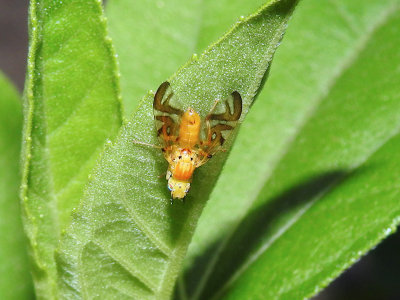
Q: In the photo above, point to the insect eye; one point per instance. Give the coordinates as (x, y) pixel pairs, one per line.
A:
(180, 157)
(191, 158)
(209, 156)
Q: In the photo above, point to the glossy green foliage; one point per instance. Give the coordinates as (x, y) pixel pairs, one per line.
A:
(310, 184)
(72, 107)
(319, 153)
(162, 35)
(127, 240)
(15, 276)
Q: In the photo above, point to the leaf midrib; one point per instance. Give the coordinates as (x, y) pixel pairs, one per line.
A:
(53, 195)
(250, 93)
(164, 249)
(78, 105)
(134, 272)
(347, 63)
(343, 13)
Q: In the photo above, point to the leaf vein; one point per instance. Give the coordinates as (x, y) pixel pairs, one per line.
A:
(134, 272)
(78, 105)
(142, 226)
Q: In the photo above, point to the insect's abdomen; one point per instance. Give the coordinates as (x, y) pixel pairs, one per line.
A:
(189, 129)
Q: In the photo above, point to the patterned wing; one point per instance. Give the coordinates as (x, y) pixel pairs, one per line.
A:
(167, 117)
(219, 126)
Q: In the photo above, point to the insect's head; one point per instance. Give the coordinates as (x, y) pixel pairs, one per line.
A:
(178, 188)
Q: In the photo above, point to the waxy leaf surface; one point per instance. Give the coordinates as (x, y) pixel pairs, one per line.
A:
(16, 282)
(72, 107)
(127, 240)
(153, 37)
(310, 203)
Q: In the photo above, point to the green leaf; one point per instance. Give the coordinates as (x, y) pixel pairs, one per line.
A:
(127, 241)
(16, 282)
(145, 33)
(320, 187)
(163, 35)
(72, 108)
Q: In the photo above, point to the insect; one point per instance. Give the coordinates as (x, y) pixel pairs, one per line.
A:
(179, 133)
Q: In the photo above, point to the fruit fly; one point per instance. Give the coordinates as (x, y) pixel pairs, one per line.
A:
(179, 133)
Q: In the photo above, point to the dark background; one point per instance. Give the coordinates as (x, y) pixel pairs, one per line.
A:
(375, 277)
(14, 39)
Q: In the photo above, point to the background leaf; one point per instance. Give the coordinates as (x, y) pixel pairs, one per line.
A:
(163, 35)
(16, 282)
(72, 107)
(341, 80)
(127, 241)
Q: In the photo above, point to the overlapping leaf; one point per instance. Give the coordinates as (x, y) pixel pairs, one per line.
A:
(337, 111)
(72, 107)
(16, 282)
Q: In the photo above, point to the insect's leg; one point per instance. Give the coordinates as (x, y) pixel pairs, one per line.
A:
(208, 142)
(205, 156)
(208, 129)
(168, 130)
(212, 109)
(214, 137)
(167, 151)
(146, 144)
(171, 138)
(162, 175)
(202, 162)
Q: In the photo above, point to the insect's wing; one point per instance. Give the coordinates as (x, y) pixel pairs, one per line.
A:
(219, 126)
(167, 117)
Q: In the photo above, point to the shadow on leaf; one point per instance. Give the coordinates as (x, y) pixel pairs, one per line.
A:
(257, 229)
